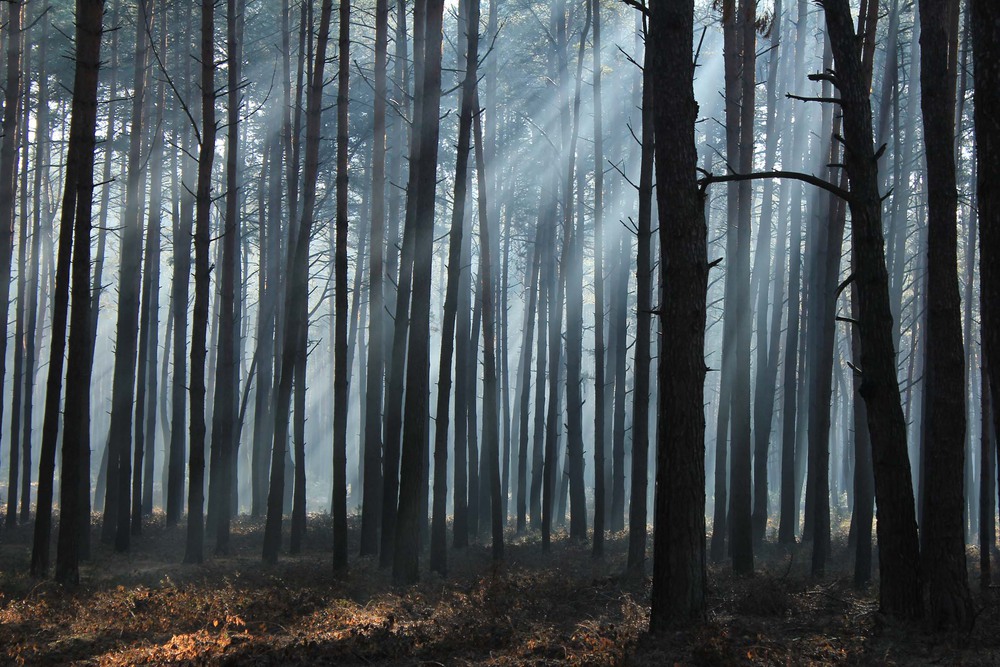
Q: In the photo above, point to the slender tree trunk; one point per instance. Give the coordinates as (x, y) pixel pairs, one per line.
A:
(20, 311)
(372, 456)
(224, 411)
(31, 354)
(180, 297)
(194, 547)
(398, 361)
(296, 291)
(491, 421)
(150, 317)
(438, 528)
(414, 445)
(599, 409)
(13, 100)
(637, 518)
(342, 369)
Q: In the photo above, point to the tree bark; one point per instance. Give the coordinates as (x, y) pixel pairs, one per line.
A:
(679, 542)
(76, 216)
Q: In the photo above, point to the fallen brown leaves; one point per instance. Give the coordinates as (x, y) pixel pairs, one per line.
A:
(563, 607)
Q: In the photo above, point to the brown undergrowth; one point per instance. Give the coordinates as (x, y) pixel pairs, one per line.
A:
(563, 607)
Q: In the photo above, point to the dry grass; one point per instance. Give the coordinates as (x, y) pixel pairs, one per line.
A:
(563, 607)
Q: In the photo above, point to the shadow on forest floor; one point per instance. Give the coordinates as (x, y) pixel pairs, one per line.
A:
(146, 607)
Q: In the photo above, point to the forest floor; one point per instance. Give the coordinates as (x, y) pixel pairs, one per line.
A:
(147, 607)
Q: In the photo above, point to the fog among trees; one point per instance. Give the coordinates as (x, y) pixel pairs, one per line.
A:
(687, 305)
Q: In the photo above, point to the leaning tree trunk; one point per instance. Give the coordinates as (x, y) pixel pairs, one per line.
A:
(897, 534)
(679, 542)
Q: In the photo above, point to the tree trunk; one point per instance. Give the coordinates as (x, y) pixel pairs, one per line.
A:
(224, 411)
(13, 99)
(296, 291)
(342, 369)
(117, 508)
(942, 532)
(76, 218)
(637, 518)
(194, 547)
(181, 287)
(414, 442)
(438, 528)
(898, 548)
(679, 542)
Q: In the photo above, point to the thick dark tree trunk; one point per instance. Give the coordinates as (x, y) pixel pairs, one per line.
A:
(942, 532)
(679, 542)
(76, 215)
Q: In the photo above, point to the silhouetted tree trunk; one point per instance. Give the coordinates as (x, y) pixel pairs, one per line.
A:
(401, 313)
(679, 542)
(371, 508)
(600, 491)
(411, 485)
(898, 548)
(76, 217)
(342, 369)
(438, 528)
(34, 316)
(149, 329)
(20, 311)
(767, 338)
(740, 503)
(224, 412)
(942, 533)
(13, 99)
(491, 421)
(194, 547)
(181, 288)
(296, 291)
(117, 507)
(637, 517)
